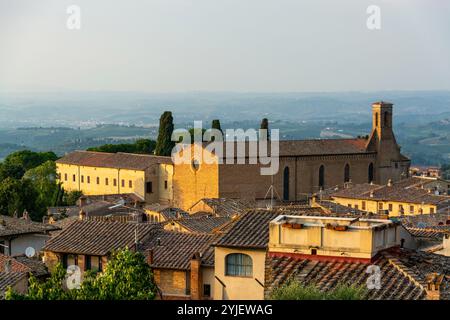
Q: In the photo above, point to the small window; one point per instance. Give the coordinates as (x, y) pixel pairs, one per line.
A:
(115, 182)
(313, 252)
(98, 180)
(65, 176)
(411, 209)
(106, 181)
(349, 205)
(88, 179)
(390, 207)
(123, 183)
(74, 178)
(207, 290)
(165, 184)
(380, 206)
(130, 184)
(420, 211)
(400, 209)
(356, 207)
(149, 187)
(238, 264)
(87, 263)
(363, 205)
(82, 179)
(431, 210)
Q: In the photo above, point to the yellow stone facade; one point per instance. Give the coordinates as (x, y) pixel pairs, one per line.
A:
(393, 207)
(236, 287)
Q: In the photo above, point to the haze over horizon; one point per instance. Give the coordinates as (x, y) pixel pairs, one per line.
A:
(173, 46)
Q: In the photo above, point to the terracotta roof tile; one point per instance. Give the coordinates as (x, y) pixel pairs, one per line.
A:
(174, 250)
(403, 273)
(112, 160)
(94, 237)
(203, 224)
(10, 226)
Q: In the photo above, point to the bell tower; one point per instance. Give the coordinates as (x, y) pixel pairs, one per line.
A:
(390, 163)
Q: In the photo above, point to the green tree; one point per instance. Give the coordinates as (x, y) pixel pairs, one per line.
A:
(294, 290)
(216, 125)
(193, 131)
(19, 195)
(70, 198)
(51, 289)
(144, 146)
(11, 170)
(28, 159)
(265, 126)
(164, 143)
(127, 277)
(43, 178)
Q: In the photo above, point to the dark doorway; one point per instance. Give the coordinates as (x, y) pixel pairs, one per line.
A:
(286, 184)
(370, 172)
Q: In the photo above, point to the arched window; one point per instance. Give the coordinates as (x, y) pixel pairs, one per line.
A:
(322, 177)
(238, 264)
(347, 173)
(286, 183)
(370, 172)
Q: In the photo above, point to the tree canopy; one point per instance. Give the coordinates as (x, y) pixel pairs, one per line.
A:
(127, 277)
(164, 143)
(294, 290)
(143, 146)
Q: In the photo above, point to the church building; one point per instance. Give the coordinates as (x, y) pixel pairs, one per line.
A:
(305, 167)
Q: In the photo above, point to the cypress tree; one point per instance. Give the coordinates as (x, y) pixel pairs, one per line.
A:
(265, 125)
(216, 125)
(164, 144)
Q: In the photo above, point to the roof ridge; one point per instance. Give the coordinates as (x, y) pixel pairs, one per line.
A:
(407, 272)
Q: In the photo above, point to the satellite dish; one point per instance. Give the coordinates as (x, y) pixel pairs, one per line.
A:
(30, 252)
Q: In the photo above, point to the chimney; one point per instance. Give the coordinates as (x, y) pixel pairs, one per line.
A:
(8, 266)
(150, 257)
(389, 183)
(371, 194)
(82, 215)
(434, 281)
(196, 277)
(82, 201)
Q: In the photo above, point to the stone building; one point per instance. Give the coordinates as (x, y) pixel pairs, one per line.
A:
(305, 167)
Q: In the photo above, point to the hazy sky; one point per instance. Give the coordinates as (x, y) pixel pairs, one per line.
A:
(224, 45)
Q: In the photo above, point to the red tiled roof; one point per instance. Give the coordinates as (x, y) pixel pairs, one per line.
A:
(94, 237)
(112, 160)
(16, 266)
(174, 250)
(403, 273)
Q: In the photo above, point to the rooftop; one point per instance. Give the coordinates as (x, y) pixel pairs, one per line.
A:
(94, 237)
(251, 230)
(402, 191)
(202, 224)
(113, 160)
(403, 273)
(10, 226)
(174, 250)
